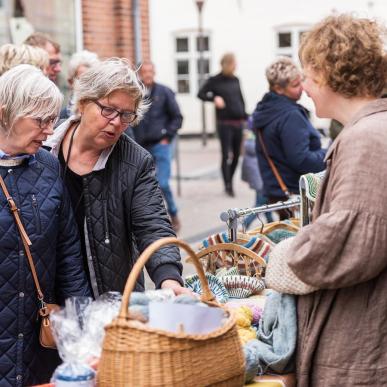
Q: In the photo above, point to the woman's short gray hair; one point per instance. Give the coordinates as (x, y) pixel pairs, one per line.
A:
(82, 58)
(12, 55)
(26, 92)
(106, 77)
(282, 71)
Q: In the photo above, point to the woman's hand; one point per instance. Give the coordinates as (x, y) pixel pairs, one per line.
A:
(176, 287)
(219, 102)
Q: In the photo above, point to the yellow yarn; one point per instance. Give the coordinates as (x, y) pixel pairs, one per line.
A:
(246, 334)
(244, 316)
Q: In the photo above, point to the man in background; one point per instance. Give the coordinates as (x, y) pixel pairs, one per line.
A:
(157, 130)
(38, 39)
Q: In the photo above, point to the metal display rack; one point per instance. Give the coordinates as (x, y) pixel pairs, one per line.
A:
(231, 216)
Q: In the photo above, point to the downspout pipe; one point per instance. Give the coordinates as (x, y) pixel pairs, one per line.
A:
(136, 13)
(78, 25)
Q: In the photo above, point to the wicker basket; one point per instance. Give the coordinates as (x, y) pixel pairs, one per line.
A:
(136, 355)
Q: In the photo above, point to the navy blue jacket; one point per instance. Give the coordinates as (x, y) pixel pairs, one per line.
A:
(46, 214)
(162, 120)
(292, 142)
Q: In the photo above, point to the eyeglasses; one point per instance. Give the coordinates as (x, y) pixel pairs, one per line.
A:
(54, 62)
(44, 123)
(110, 113)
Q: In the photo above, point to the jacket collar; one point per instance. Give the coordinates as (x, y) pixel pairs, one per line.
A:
(375, 106)
(55, 140)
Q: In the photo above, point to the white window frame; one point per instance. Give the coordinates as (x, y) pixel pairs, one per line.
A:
(192, 56)
(294, 30)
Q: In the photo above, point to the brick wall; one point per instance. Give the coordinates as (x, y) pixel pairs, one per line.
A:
(108, 28)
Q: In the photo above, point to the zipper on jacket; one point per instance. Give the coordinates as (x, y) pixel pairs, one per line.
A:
(36, 213)
(105, 222)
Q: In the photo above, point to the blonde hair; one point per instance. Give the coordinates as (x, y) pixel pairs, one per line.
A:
(12, 55)
(106, 77)
(347, 54)
(227, 63)
(26, 92)
(281, 72)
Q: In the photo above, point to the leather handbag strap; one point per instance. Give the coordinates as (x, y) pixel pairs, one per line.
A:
(24, 236)
(274, 169)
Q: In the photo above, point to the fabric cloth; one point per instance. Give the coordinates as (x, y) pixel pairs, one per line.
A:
(342, 337)
(291, 141)
(162, 154)
(46, 213)
(275, 346)
(124, 214)
(162, 120)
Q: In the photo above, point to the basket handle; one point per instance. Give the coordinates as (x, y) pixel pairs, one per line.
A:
(207, 296)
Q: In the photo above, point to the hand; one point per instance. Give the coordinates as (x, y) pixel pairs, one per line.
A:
(219, 102)
(176, 287)
(164, 141)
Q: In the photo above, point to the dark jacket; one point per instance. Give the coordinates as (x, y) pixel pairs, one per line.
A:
(291, 141)
(162, 120)
(125, 213)
(229, 89)
(46, 213)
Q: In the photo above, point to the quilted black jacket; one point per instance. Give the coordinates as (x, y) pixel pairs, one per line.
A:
(46, 213)
(124, 212)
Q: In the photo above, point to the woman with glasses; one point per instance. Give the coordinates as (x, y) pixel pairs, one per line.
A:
(115, 196)
(30, 103)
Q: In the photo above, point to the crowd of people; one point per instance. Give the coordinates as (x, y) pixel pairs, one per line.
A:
(91, 183)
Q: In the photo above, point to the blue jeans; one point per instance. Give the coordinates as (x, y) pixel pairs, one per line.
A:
(162, 154)
(260, 200)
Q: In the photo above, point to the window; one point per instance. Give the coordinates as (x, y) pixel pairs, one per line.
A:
(192, 56)
(288, 40)
(284, 39)
(182, 45)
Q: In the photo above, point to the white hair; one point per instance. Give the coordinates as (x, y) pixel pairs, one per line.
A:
(82, 58)
(26, 92)
(282, 71)
(12, 55)
(108, 76)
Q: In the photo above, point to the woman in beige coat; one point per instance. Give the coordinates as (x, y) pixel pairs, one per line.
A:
(342, 339)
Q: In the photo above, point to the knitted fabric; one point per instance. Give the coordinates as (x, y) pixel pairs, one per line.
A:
(311, 182)
(280, 277)
(218, 259)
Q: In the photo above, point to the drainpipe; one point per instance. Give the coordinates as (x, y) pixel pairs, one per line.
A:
(78, 25)
(137, 31)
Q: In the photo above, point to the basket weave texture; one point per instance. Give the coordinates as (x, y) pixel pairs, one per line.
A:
(136, 355)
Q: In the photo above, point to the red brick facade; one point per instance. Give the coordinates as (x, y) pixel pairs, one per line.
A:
(108, 28)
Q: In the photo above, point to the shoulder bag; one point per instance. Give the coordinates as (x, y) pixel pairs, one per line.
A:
(273, 168)
(46, 337)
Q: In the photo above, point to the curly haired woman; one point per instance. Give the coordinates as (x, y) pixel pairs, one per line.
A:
(343, 253)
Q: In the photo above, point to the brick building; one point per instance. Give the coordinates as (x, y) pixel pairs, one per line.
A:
(109, 28)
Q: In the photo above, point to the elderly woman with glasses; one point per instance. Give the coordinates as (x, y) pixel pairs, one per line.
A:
(30, 103)
(116, 199)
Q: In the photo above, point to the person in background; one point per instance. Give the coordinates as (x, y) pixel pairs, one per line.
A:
(12, 55)
(252, 175)
(291, 141)
(117, 201)
(78, 64)
(224, 91)
(342, 330)
(30, 103)
(38, 39)
(157, 131)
